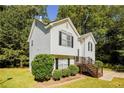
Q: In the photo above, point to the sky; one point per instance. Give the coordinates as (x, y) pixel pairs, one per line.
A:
(52, 11)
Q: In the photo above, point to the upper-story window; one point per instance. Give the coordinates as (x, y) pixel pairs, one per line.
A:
(90, 46)
(65, 39)
(32, 42)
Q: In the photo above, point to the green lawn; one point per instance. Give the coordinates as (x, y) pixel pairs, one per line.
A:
(22, 78)
(90, 82)
(16, 77)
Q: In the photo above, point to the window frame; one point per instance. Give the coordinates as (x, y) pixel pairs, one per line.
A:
(32, 42)
(66, 39)
(63, 65)
(90, 46)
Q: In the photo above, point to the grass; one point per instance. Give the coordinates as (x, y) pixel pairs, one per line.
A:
(16, 78)
(22, 78)
(90, 82)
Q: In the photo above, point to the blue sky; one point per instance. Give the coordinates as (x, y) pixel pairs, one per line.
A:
(52, 11)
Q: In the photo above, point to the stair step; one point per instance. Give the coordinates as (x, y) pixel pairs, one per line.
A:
(91, 69)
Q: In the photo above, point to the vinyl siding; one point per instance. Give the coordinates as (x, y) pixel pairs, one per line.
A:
(47, 42)
(90, 54)
(62, 50)
(41, 41)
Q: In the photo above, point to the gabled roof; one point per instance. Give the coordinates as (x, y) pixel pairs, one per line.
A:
(32, 27)
(86, 35)
(54, 23)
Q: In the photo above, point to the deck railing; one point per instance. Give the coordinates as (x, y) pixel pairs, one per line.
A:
(86, 65)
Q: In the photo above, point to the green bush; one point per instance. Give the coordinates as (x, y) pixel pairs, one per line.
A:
(73, 69)
(65, 72)
(119, 68)
(106, 65)
(57, 74)
(99, 63)
(42, 67)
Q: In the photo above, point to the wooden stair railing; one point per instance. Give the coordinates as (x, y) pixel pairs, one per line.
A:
(92, 70)
(88, 67)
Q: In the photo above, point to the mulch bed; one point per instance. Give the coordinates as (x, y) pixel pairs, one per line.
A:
(53, 83)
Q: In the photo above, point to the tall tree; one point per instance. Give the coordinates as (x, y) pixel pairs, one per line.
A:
(15, 25)
(106, 24)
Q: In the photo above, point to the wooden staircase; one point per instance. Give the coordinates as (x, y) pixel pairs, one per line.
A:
(88, 67)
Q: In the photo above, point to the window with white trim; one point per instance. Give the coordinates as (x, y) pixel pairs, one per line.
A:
(90, 46)
(63, 63)
(65, 39)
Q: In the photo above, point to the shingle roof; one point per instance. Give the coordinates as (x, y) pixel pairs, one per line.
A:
(47, 25)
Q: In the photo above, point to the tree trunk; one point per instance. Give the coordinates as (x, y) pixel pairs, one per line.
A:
(21, 64)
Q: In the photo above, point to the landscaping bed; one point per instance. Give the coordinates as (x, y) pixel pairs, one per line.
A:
(22, 78)
(53, 83)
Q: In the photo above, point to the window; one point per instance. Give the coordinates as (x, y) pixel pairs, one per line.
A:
(62, 63)
(65, 39)
(90, 46)
(31, 42)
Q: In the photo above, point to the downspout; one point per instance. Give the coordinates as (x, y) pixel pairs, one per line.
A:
(84, 47)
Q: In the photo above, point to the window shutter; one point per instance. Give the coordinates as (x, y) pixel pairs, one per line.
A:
(31, 42)
(68, 61)
(72, 42)
(91, 47)
(60, 38)
(56, 63)
(88, 46)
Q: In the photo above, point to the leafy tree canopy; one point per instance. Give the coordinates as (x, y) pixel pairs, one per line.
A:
(15, 25)
(105, 22)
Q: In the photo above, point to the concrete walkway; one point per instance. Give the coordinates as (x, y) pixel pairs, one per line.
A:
(109, 75)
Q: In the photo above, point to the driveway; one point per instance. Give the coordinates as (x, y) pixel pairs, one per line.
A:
(109, 75)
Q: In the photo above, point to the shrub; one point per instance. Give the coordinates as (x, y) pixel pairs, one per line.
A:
(73, 69)
(57, 74)
(119, 68)
(99, 64)
(42, 67)
(106, 65)
(65, 72)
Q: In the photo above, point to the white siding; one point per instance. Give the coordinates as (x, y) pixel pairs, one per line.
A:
(41, 41)
(71, 61)
(87, 53)
(47, 42)
(62, 50)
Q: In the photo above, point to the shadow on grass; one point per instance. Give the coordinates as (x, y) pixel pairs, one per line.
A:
(87, 74)
(6, 80)
(41, 80)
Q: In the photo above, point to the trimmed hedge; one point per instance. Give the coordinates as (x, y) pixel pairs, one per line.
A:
(65, 72)
(119, 68)
(73, 70)
(57, 74)
(99, 63)
(106, 65)
(42, 67)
